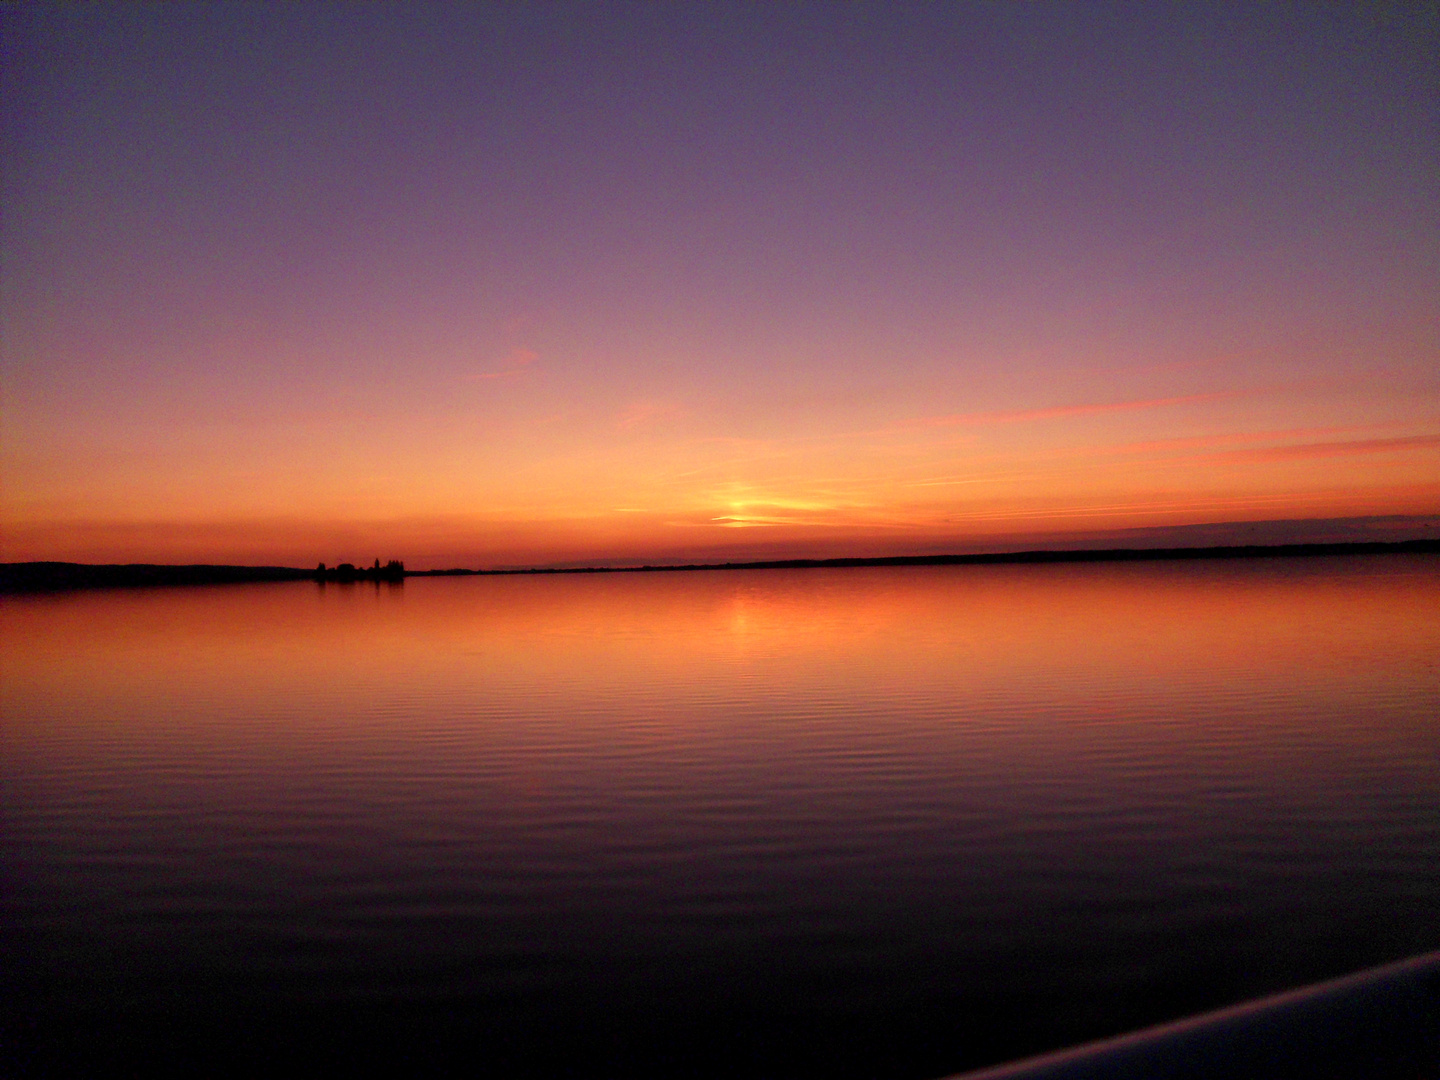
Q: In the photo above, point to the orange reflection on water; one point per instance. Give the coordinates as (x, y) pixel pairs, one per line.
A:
(973, 632)
(579, 720)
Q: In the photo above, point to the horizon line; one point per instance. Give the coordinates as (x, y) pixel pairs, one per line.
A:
(47, 576)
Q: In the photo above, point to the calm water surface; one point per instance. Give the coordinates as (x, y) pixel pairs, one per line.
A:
(882, 822)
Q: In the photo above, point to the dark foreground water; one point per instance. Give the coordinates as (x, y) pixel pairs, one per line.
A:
(882, 822)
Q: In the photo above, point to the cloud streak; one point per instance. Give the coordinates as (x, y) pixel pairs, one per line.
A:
(1345, 448)
(642, 413)
(513, 364)
(1214, 442)
(1057, 412)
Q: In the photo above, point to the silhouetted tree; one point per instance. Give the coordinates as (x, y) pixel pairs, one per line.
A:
(394, 570)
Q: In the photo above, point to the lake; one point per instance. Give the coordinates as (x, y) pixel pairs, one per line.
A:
(866, 822)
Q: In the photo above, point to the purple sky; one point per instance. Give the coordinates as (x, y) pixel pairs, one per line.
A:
(546, 282)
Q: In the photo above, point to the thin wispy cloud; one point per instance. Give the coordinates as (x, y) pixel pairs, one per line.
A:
(1140, 508)
(1230, 439)
(737, 522)
(1344, 448)
(641, 413)
(1056, 412)
(515, 362)
(953, 481)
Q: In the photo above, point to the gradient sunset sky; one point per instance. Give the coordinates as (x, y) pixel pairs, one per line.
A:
(544, 283)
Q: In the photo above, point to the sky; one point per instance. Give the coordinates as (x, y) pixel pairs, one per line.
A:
(546, 284)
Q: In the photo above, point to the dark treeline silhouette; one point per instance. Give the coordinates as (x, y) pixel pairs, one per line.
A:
(63, 576)
(57, 576)
(1063, 555)
(394, 570)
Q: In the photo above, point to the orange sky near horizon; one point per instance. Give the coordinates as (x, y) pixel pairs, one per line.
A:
(921, 485)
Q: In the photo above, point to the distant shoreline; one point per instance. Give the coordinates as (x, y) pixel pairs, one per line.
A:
(31, 577)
